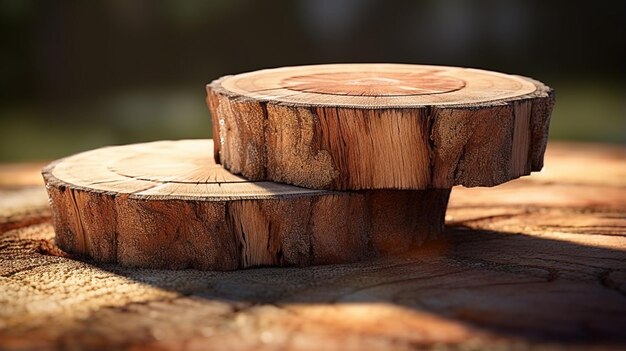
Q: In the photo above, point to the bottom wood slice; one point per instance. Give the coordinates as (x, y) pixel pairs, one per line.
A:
(166, 204)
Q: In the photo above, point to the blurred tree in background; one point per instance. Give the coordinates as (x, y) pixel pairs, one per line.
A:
(81, 74)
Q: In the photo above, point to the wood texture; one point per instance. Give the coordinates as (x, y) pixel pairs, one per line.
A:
(536, 264)
(379, 126)
(166, 205)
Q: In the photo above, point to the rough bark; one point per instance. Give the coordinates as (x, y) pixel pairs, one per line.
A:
(536, 264)
(350, 127)
(164, 205)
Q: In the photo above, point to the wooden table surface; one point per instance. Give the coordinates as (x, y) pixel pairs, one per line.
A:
(539, 262)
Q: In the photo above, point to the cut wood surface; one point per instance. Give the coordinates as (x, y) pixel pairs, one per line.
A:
(168, 205)
(538, 263)
(379, 126)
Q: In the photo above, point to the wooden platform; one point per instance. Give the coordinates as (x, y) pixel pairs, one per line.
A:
(538, 262)
(167, 205)
(380, 126)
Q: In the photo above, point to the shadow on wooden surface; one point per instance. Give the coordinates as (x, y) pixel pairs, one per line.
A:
(514, 284)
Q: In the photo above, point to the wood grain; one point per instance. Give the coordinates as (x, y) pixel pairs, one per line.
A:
(167, 205)
(380, 126)
(536, 264)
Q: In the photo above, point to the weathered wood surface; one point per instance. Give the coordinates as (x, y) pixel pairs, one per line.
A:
(166, 204)
(537, 263)
(380, 126)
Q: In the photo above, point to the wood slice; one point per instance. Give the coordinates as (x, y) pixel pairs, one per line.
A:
(380, 126)
(167, 205)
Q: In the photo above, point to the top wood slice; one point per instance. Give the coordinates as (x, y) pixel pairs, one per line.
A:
(380, 126)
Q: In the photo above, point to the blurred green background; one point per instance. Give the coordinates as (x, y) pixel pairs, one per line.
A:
(82, 74)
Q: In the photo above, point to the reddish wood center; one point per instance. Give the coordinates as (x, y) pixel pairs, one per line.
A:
(374, 83)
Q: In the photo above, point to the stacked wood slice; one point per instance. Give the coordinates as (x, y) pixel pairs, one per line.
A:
(321, 164)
